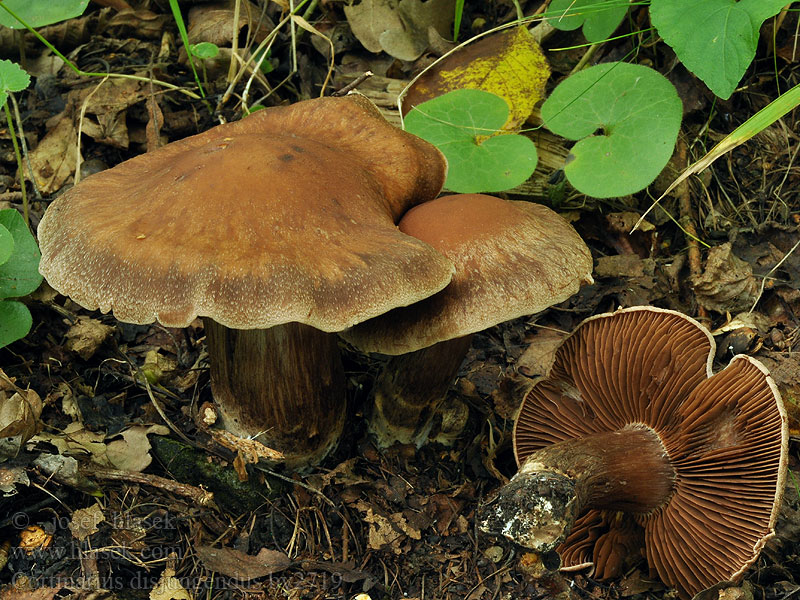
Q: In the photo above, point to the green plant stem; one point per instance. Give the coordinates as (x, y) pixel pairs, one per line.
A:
(176, 14)
(17, 153)
(24, 145)
(83, 73)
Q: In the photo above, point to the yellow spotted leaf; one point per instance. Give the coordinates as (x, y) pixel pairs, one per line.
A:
(509, 64)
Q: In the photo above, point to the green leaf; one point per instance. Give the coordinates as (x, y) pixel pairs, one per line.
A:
(715, 39)
(15, 321)
(12, 79)
(465, 126)
(628, 116)
(19, 275)
(38, 13)
(204, 50)
(599, 17)
(6, 244)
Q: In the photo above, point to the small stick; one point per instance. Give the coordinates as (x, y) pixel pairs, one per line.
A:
(196, 494)
(687, 222)
(353, 84)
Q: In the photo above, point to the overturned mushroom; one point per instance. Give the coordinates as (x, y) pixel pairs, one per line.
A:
(631, 441)
(511, 259)
(276, 229)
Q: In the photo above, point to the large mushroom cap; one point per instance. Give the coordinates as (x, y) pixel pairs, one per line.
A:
(512, 259)
(285, 216)
(725, 436)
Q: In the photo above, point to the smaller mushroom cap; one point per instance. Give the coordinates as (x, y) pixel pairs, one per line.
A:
(725, 436)
(512, 259)
(285, 216)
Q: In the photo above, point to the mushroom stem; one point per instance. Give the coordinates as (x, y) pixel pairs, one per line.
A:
(627, 470)
(410, 388)
(283, 386)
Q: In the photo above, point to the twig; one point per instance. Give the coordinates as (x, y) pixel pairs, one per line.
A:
(199, 495)
(353, 84)
(687, 223)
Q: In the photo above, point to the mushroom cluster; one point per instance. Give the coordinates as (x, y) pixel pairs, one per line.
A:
(278, 230)
(632, 443)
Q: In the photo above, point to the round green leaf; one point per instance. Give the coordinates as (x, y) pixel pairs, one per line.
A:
(12, 79)
(15, 321)
(19, 275)
(6, 244)
(466, 126)
(204, 50)
(629, 116)
(38, 13)
(599, 17)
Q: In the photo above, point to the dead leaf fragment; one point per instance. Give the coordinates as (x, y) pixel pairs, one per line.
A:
(510, 64)
(54, 158)
(19, 417)
(132, 452)
(727, 283)
(84, 521)
(212, 22)
(86, 336)
(169, 587)
(399, 27)
(238, 565)
(386, 533)
(10, 477)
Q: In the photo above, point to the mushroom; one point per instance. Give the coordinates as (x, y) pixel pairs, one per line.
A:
(632, 441)
(277, 229)
(511, 258)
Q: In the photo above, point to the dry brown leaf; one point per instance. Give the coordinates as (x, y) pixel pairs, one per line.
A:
(169, 587)
(386, 533)
(86, 335)
(399, 27)
(727, 283)
(132, 452)
(19, 416)
(84, 521)
(212, 22)
(54, 158)
(238, 565)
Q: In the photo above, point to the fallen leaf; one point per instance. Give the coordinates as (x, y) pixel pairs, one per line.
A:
(399, 27)
(509, 64)
(10, 477)
(540, 353)
(238, 565)
(169, 587)
(84, 521)
(19, 417)
(386, 533)
(727, 283)
(212, 22)
(132, 452)
(54, 158)
(86, 335)
(104, 109)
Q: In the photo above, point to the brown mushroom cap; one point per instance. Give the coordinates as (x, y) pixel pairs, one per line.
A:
(725, 436)
(512, 259)
(285, 216)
